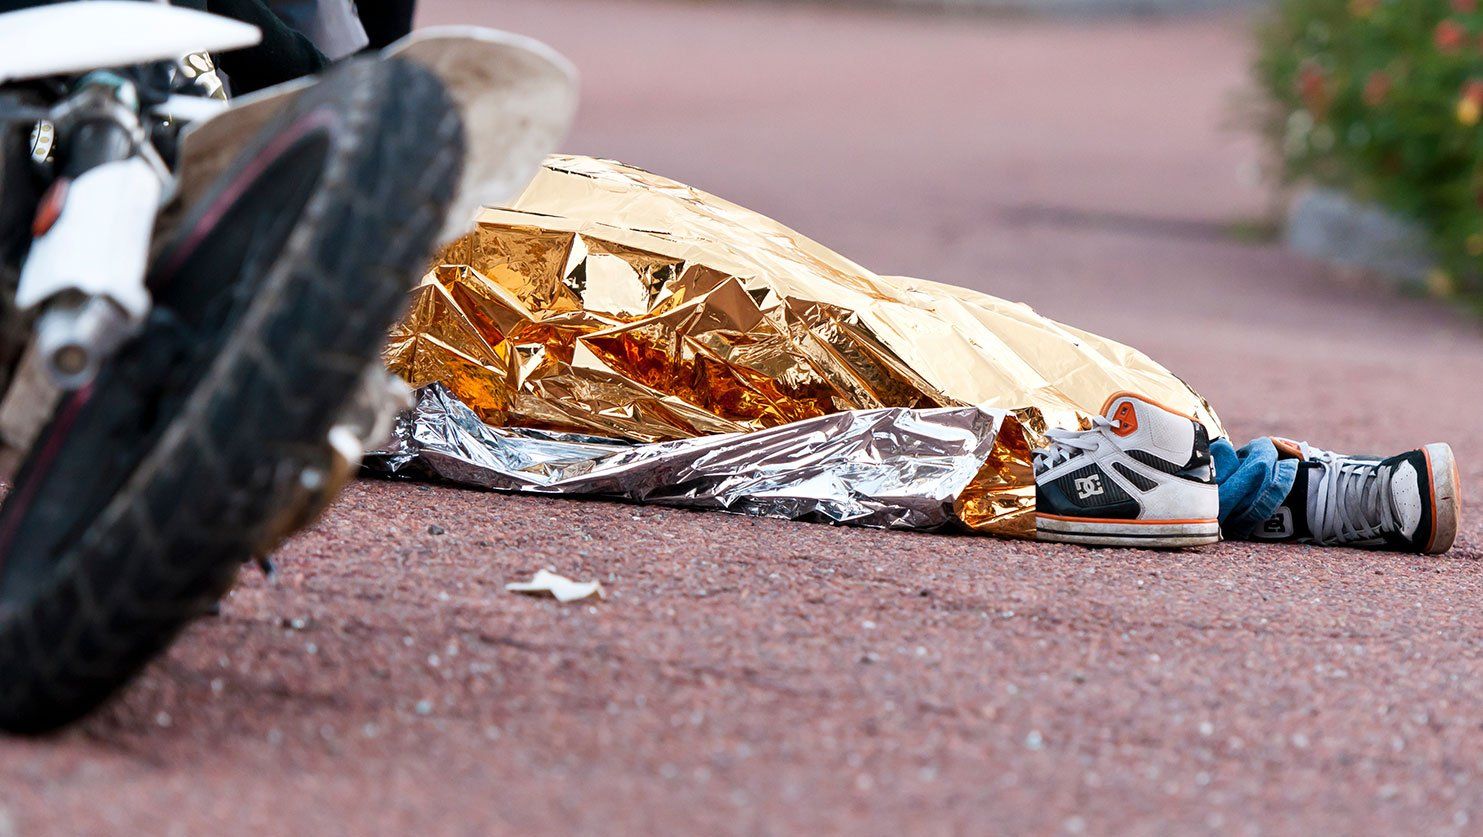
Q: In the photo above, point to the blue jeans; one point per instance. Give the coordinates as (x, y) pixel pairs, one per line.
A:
(1253, 483)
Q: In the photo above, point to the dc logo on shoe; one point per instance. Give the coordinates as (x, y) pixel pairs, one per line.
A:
(1278, 525)
(1089, 486)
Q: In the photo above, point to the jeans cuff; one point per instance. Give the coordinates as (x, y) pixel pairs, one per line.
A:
(1239, 525)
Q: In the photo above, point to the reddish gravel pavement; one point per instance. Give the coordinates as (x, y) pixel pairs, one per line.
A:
(758, 676)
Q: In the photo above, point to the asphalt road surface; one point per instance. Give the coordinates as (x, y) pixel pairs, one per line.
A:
(758, 676)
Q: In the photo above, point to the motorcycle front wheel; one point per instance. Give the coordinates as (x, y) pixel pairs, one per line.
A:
(149, 488)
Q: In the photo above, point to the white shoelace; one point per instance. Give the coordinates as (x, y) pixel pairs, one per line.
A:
(1065, 443)
(1352, 501)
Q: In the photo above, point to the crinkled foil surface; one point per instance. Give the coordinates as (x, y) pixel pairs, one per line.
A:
(893, 467)
(615, 303)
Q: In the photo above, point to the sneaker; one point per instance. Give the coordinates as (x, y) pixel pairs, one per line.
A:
(1409, 502)
(1140, 477)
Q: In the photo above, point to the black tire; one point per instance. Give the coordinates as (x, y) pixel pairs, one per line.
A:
(148, 490)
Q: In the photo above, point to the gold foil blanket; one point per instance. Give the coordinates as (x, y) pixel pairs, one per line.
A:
(611, 302)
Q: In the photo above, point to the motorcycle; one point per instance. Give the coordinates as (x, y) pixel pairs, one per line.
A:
(193, 296)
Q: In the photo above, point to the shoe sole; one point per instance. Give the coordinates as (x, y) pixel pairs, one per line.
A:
(1143, 534)
(1446, 496)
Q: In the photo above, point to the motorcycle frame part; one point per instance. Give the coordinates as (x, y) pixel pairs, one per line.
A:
(103, 97)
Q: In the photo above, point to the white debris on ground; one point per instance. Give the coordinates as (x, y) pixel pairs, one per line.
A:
(561, 588)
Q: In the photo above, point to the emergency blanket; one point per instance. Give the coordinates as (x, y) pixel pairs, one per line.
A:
(613, 333)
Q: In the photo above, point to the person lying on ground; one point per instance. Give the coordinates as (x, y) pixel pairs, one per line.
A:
(1142, 475)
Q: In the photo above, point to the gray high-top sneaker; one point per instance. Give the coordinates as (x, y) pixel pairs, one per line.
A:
(1409, 502)
(1140, 477)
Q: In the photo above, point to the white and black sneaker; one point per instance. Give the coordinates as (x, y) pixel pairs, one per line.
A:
(1409, 502)
(1141, 477)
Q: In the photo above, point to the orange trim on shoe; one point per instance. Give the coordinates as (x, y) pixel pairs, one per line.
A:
(1126, 393)
(1123, 522)
(1127, 420)
(1456, 491)
(1431, 484)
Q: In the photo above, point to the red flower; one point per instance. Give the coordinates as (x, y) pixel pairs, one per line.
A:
(1470, 103)
(1464, 7)
(1377, 87)
(1450, 36)
(1313, 89)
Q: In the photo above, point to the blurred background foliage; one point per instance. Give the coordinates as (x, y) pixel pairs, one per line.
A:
(1383, 99)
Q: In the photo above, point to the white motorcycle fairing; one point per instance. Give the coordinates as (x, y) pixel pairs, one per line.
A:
(76, 37)
(517, 98)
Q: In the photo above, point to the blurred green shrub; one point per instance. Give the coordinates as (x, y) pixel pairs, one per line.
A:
(1384, 99)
